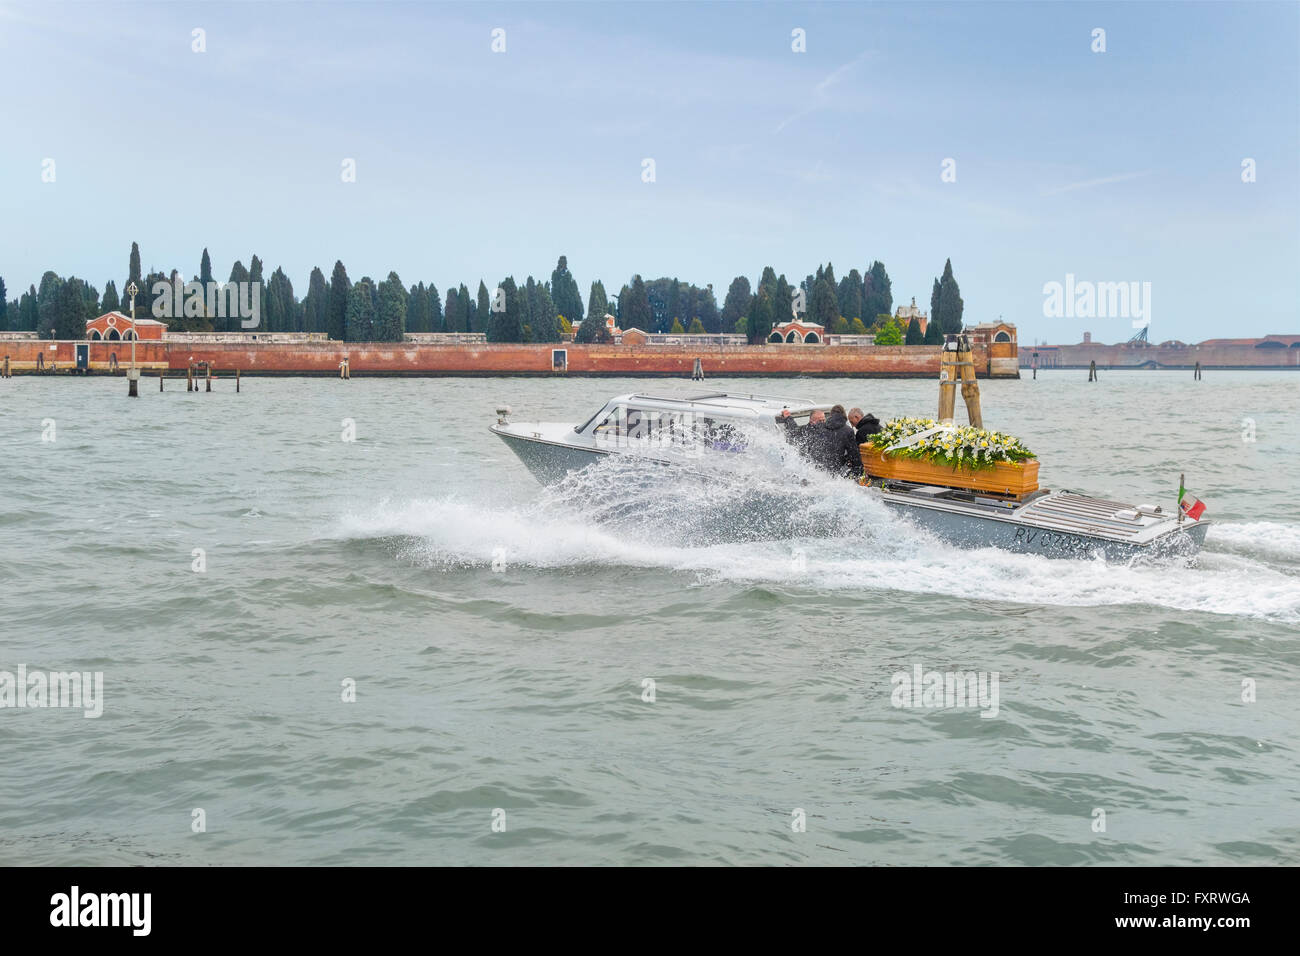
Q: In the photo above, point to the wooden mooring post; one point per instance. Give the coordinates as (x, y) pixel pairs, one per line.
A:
(1092, 371)
(207, 374)
(6, 373)
(697, 374)
(189, 378)
(345, 370)
(162, 374)
(948, 379)
(236, 381)
(1196, 373)
(970, 390)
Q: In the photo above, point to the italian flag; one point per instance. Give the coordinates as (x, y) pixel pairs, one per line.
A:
(1191, 506)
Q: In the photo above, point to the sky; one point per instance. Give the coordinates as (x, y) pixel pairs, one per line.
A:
(1117, 166)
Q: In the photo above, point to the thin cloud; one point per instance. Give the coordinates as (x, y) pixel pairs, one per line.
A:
(831, 79)
(1103, 181)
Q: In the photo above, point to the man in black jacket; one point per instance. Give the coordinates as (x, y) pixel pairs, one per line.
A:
(828, 441)
(864, 425)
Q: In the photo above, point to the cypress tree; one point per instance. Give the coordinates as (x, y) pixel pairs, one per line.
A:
(144, 302)
(4, 307)
(28, 313)
(676, 328)
(133, 269)
(706, 306)
(523, 313)
(336, 309)
(950, 301)
(634, 313)
(47, 299)
(435, 309)
(484, 307)
(451, 321)
(564, 292)
(69, 311)
(504, 326)
(932, 334)
(737, 303)
(390, 319)
(914, 336)
(315, 307)
(597, 303)
(546, 322)
(467, 309)
(205, 270)
(759, 324)
(255, 275)
(360, 319)
(849, 295)
(822, 307)
(878, 295)
(417, 300)
(111, 302)
(593, 328)
(934, 304)
(782, 302)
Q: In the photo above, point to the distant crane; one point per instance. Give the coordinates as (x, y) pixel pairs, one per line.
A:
(1139, 337)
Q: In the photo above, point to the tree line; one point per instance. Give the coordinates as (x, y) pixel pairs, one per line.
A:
(367, 310)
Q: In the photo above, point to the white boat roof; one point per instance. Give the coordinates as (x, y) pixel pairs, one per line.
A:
(731, 404)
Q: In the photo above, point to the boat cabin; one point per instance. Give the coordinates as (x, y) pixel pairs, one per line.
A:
(714, 416)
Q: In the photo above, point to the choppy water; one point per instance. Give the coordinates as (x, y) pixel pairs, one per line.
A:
(771, 633)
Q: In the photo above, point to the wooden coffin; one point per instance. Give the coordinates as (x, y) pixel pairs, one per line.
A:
(1014, 478)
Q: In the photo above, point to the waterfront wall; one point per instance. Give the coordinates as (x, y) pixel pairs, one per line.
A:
(418, 359)
(26, 355)
(1160, 356)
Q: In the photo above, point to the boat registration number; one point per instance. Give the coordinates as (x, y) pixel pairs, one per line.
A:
(1050, 540)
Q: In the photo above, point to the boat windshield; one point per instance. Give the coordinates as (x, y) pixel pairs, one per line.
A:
(583, 426)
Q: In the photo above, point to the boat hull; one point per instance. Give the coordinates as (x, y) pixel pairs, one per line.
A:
(548, 461)
(1015, 533)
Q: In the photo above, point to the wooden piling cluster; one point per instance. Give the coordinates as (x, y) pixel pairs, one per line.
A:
(345, 368)
(1092, 371)
(957, 363)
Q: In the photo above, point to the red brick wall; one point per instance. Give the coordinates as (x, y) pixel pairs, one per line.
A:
(322, 358)
(1211, 356)
(22, 354)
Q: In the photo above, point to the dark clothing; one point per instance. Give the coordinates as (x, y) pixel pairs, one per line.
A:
(867, 425)
(832, 444)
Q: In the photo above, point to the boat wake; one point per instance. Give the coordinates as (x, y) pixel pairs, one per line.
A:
(795, 527)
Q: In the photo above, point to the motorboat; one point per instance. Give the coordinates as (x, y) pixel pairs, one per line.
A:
(694, 429)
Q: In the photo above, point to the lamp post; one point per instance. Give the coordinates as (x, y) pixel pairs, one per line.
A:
(133, 374)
